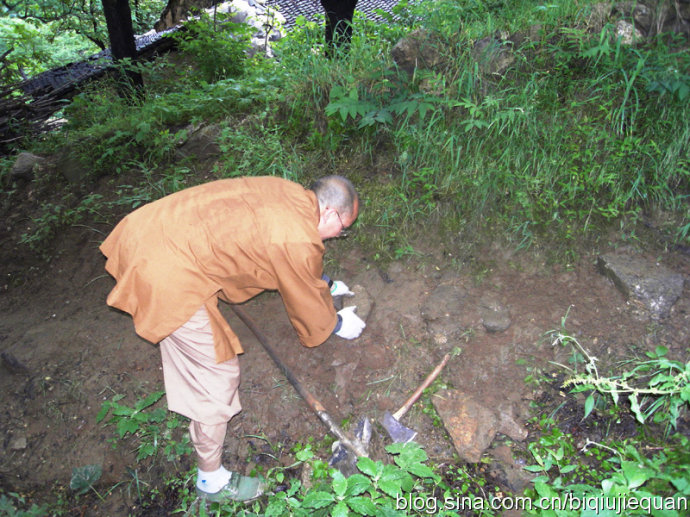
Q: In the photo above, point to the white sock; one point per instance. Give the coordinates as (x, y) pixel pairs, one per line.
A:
(212, 482)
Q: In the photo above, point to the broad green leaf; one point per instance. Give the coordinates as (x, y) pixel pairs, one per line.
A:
(388, 511)
(424, 471)
(390, 487)
(149, 400)
(275, 508)
(318, 499)
(340, 510)
(635, 408)
(362, 505)
(127, 425)
(369, 467)
(158, 415)
(412, 453)
(83, 478)
(357, 484)
(305, 454)
(545, 490)
(685, 393)
(587, 512)
(614, 396)
(661, 351)
(589, 405)
(104, 411)
(146, 450)
(339, 483)
(635, 474)
(682, 485)
(391, 472)
(607, 486)
(119, 410)
(557, 454)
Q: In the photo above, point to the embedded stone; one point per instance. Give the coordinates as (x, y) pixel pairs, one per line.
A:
(651, 283)
(495, 317)
(361, 299)
(25, 166)
(471, 426)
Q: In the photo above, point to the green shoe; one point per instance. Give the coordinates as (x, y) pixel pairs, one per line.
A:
(239, 488)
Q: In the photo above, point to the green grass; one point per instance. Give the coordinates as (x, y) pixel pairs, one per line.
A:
(579, 137)
(579, 131)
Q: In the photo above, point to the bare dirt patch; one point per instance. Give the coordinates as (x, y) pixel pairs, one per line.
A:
(68, 352)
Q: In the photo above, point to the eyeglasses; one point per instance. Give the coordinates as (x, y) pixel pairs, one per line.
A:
(343, 232)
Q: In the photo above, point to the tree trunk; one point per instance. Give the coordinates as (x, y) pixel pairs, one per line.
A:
(118, 18)
(339, 15)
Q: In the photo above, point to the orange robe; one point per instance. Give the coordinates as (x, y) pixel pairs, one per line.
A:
(232, 239)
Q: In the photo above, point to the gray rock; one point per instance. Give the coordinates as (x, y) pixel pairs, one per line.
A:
(18, 442)
(494, 56)
(656, 286)
(444, 302)
(12, 364)
(628, 33)
(344, 373)
(598, 16)
(361, 299)
(510, 468)
(202, 142)
(495, 317)
(415, 51)
(639, 12)
(508, 424)
(240, 17)
(445, 314)
(25, 166)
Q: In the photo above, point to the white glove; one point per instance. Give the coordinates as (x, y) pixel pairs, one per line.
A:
(352, 325)
(339, 289)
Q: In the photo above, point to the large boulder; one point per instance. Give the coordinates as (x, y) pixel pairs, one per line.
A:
(635, 20)
(201, 143)
(416, 51)
(641, 14)
(653, 285)
(472, 426)
(628, 33)
(25, 167)
(494, 55)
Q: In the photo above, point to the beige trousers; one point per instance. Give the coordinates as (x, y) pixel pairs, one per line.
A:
(199, 388)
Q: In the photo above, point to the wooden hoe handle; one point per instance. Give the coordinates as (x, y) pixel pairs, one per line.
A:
(429, 379)
(354, 445)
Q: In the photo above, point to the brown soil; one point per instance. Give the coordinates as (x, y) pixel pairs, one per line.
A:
(72, 353)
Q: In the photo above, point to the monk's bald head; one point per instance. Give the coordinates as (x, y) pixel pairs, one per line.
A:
(337, 192)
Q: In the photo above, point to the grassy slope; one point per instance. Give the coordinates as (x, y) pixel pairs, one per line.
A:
(579, 135)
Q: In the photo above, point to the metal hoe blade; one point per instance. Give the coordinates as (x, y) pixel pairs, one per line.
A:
(343, 458)
(398, 432)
